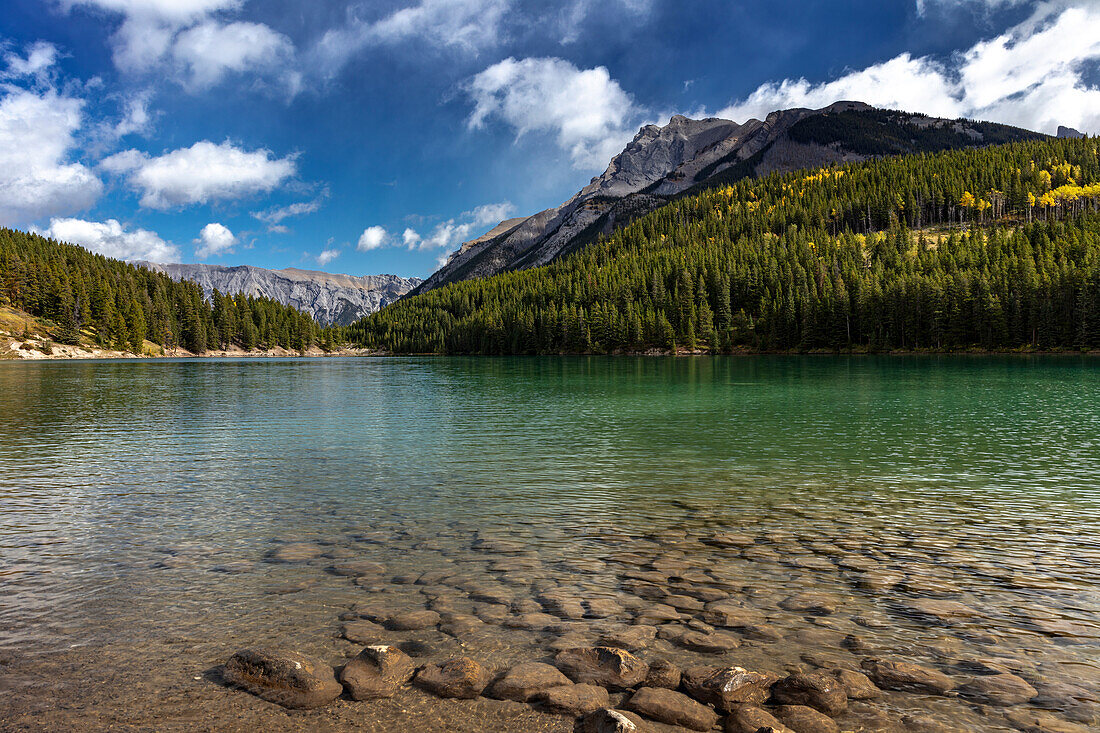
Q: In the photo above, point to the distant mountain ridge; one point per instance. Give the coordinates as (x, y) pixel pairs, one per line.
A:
(331, 299)
(663, 163)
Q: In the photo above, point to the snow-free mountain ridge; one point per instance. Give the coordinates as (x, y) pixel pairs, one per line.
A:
(330, 298)
(661, 163)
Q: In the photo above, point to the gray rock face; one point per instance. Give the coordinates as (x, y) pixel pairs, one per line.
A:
(331, 299)
(659, 164)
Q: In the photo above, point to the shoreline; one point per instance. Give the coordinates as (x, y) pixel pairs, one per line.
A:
(65, 352)
(30, 351)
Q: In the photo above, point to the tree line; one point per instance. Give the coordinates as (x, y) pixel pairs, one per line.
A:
(120, 306)
(995, 248)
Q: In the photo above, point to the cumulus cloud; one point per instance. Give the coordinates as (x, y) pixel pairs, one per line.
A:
(587, 111)
(1031, 76)
(111, 239)
(201, 173)
(149, 26)
(372, 238)
(464, 227)
(327, 256)
(186, 37)
(210, 50)
(467, 25)
(214, 239)
(37, 138)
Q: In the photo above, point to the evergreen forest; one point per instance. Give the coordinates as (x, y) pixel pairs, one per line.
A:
(993, 248)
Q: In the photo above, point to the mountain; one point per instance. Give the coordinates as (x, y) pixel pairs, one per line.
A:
(330, 299)
(663, 163)
(994, 248)
(91, 301)
(1064, 132)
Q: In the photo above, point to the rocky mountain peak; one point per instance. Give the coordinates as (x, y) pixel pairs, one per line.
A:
(663, 162)
(331, 299)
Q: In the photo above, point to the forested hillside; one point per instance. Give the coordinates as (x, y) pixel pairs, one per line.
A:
(119, 306)
(995, 248)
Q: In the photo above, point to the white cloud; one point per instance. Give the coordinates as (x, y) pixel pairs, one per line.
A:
(276, 214)
(185, 38)
(110, 238)
(572, 18)
(487, 214)
(327, 256)
(468, 25)
(201, 173)
(372, 238)
(137, 118)
(924, 5)
(214, 239)
(916, 84)
(37, 136)
(587, 111)
(464, 227)
(1030, 76)
(210, 50)
(149, 26)
(41, 56)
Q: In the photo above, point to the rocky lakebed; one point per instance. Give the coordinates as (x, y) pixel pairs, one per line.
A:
(697, 627)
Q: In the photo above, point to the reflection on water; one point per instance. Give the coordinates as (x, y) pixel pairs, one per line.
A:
(139, 497)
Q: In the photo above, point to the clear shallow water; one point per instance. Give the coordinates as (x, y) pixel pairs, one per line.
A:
(127, 490)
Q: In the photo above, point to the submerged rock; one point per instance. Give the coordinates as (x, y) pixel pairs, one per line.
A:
(751, 718)
(525, 681)
(817, 604)
(606, 720)
(362, 632)
(663, 673)
(288, 678)
(999, 689)
(412, 620)
(377, 672)
(668, 706)
(574, 699)
(608, 667)
(714, 642)
(358, 569)
(727, 687)
(804, 719)
(907, 677)
(630, 638)
(939, 611)
(461, 678)
(295, 552)
(856, 685)
(819, 691)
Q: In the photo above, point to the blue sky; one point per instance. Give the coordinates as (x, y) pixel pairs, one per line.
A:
(367, 137)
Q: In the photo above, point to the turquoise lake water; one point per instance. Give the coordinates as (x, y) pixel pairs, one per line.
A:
(123, 484)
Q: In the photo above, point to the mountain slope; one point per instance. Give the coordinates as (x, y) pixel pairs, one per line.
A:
(330, 299)
(663, 163)
(993, 248)
(120, 306)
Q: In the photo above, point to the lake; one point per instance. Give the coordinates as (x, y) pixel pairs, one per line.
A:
(156, 516)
